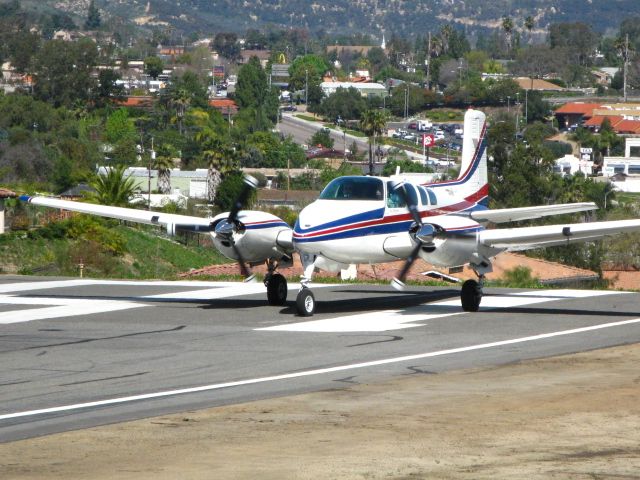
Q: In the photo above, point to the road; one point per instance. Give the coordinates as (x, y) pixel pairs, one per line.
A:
(80, 353)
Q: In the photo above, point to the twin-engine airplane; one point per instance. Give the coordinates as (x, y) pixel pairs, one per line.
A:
(376, 220)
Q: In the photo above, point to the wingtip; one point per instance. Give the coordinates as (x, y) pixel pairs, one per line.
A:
(24, 198)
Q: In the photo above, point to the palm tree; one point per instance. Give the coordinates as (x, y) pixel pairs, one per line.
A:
(529, 23)
(164, 164)
(113, 187)
(373, 123)
(180, 100)
(219, 157)
(507, 26)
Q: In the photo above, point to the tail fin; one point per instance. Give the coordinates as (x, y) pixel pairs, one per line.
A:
(473, 177)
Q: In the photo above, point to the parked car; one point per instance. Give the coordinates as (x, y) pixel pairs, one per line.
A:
(289, 108)
(409, 136)
(439, 135)
(412, 126)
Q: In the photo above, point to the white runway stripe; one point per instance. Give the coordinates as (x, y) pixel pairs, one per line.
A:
(309, 373)
(386, 320)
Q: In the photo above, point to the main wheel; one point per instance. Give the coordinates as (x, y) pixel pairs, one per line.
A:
(305, 302)
(277, 290)
(471, 295)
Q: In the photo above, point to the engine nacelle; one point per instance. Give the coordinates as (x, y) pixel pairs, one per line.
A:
(258, 236)
(453, 241)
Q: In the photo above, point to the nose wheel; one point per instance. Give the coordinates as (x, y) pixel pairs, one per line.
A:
(305, 302)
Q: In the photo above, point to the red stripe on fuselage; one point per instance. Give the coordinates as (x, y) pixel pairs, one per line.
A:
(467, 203)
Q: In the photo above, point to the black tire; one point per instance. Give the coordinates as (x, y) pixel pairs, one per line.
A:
(471, 295)
(277, 290)
(305, 303)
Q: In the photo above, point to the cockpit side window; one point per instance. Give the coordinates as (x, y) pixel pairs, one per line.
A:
(395, 199)
(353, 188)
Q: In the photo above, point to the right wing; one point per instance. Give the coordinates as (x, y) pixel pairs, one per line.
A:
(170, 221)
(525, 238)
(527, 213)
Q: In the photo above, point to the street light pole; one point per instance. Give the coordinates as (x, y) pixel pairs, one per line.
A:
(152, 157)
(306, 89)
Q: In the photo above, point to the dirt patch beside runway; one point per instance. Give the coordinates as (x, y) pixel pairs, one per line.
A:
(575, 416)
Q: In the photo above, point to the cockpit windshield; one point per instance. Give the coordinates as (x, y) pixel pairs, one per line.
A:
(353, 188)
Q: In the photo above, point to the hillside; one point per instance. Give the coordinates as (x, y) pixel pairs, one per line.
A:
(106, 249)
(404, 17)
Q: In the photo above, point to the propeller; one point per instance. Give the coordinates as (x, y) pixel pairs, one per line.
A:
(226, 228)
(421, 230)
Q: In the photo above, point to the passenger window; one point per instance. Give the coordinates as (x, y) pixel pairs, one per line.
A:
(423, 195)
(432, 197)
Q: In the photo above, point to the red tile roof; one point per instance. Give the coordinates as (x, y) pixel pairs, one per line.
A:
(627, 126)
(4, 193)
(585, 109)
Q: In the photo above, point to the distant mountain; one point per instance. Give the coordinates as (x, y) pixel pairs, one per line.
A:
(403, 17)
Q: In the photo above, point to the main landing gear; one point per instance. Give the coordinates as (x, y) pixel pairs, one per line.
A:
(471, 295)
(276, 285)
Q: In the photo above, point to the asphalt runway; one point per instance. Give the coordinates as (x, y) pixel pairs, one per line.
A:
(78, 353)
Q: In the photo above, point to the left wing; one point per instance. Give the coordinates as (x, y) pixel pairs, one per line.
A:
(525, 238)
(170, 221)
(527, 213)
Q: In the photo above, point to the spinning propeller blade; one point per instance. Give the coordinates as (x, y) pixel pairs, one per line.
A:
(231, 225)
(398, 282)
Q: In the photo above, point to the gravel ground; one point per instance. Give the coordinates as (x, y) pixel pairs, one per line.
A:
(575, 416)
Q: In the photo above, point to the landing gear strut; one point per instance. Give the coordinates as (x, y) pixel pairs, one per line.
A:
(305, 301)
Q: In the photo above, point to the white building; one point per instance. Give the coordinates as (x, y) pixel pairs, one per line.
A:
(570, 165)
(366, 89)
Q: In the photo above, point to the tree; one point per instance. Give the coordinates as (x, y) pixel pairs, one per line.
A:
(373, 123)
(113, 188)
(258, 101)
(153, 66)
(218, 155)
(226, 44)
(529, 23)
(93, 17)
(321, 137)
(62, 71)
(507, 26)
(346, 103)
(108, 90)
(119, 127)
(164, 164)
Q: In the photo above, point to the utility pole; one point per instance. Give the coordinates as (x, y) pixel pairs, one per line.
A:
(428, 61)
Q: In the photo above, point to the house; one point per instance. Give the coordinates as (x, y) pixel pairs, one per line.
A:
(624, 172)
(262, 55)
(622, 116)
(225, 106)
(527, 83)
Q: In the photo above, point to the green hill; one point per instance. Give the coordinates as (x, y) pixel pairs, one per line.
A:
(106, 248)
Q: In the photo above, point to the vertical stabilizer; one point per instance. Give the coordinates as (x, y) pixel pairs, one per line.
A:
(474, 130)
